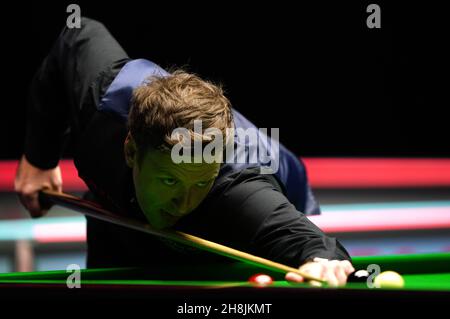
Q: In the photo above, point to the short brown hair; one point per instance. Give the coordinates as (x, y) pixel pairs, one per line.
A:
(175, 101)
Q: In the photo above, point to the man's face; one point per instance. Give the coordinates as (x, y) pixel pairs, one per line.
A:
(167, 191)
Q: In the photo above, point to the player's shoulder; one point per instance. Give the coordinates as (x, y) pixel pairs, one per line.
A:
(239, 185)
(248, 175)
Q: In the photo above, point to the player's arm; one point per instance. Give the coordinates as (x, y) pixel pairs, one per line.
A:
(46, 128)
(290, 236)
(260, 215)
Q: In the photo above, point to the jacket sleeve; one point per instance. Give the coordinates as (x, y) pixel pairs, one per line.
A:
(286, 234)
(47, 116)
(72, 76)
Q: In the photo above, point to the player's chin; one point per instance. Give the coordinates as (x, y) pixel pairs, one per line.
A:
(165, 221)
(158, 223)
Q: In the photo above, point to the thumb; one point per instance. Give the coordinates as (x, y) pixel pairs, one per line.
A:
(293, 277)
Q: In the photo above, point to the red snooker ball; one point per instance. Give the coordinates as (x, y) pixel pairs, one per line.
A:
(260, 280)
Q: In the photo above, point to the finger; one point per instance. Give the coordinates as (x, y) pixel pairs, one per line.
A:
(348, 267)
(57, 185)
(293, 277)
(341, 276)
(315, 283)
(31, 202)
(313, 269)
(46, 204)
(39, 213)
(330, 276)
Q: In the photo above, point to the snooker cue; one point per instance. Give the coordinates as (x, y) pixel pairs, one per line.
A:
(88, 208)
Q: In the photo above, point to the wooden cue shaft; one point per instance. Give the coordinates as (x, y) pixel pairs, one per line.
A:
(48, 197)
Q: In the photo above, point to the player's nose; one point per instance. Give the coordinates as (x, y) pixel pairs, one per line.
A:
(183, 204)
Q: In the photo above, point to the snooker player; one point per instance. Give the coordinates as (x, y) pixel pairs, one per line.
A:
(121, 114)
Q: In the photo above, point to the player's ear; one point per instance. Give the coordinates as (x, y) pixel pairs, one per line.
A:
(130, 150)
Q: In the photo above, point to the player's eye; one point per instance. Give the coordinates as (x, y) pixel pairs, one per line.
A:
(203, 184)
(169, 181)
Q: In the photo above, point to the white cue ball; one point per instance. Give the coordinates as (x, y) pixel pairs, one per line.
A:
(389, 279)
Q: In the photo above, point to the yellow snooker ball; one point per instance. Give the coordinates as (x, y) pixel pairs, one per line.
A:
(389, 279)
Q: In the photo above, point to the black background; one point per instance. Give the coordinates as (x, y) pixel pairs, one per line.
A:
(332, 86)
